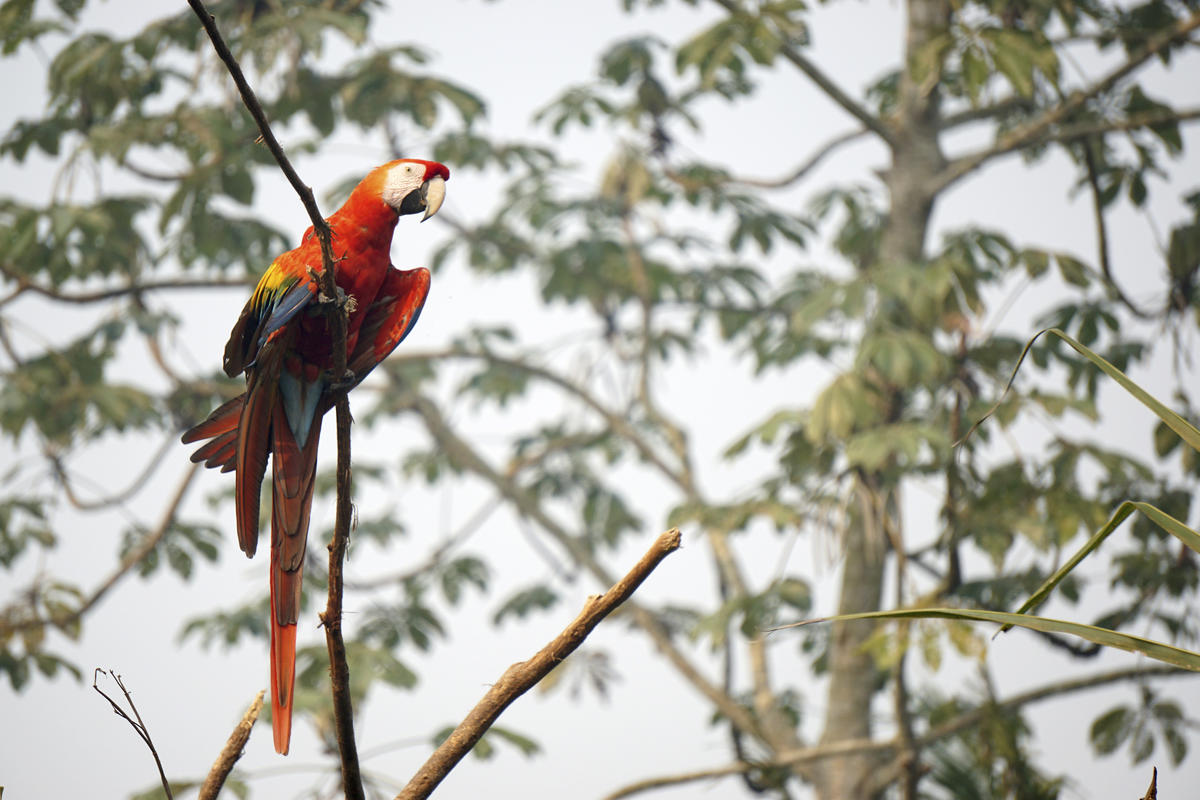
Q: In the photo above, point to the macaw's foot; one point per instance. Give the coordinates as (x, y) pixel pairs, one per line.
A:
(345, 384)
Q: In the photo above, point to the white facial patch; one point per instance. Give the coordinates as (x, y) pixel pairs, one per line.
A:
(401, 180)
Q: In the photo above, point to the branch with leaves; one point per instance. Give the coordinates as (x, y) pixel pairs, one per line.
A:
(1042, 127)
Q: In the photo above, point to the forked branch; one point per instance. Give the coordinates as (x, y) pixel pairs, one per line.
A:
(135, 721)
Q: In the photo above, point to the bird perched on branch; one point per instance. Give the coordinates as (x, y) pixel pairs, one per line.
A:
(282, 342)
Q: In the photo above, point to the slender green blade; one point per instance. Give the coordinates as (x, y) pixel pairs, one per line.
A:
(1158, 517)
(1102, 636)
(1184, 429)
(1181, 426)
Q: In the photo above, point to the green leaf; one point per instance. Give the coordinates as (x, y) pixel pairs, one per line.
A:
(1184, 429)
(846, 405)
(535, 598)
(1111, 729)
(527, 746)
(1102, 636)
(1165, 521)
(1073, 270)
(1036, 262)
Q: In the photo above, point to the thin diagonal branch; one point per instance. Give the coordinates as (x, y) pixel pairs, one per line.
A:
(521, 677)
(1039, 128)
(231, 752)
(984, 113)
(260, 118)
(131, 560)
(116, 498)
(826, 84)
(1145, 119)
(615, 420)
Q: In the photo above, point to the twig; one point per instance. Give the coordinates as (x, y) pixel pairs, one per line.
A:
(617, 421)
(813, 161)
(826, 84)
(116, 498)
(521, 677)
(231, 752)
(1089, 148)
(435, 557)
(983, 113)
(139, 727)
(1094, 127)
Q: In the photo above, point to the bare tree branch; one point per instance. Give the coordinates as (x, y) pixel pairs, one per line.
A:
(521, 677)
(1040, 128)
(617, 421)
(231, 752)
(984, 113)
(331, 618)
(116, 498)
(813, 161)
(24, 285)
(857, 746)
(1084, 129)
(139, 727)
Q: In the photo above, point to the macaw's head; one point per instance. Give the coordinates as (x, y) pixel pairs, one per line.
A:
(411, 185)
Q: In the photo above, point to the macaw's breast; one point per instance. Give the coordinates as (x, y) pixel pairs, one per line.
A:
(362, 240)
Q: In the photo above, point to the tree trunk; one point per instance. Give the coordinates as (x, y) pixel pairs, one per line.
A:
(854, 680)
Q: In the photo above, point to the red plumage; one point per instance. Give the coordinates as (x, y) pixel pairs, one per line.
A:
(282, 343)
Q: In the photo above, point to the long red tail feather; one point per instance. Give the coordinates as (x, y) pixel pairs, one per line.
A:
(283, 678)
(293, 477)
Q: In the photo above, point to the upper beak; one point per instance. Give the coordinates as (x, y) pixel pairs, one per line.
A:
(433, 192)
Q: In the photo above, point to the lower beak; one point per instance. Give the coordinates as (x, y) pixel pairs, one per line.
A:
(433, 192)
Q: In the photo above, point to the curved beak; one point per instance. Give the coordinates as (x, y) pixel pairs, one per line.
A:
(433, 192)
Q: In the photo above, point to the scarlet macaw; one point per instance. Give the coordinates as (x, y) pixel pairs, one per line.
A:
(282, 342)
